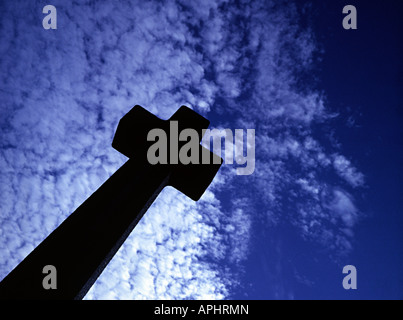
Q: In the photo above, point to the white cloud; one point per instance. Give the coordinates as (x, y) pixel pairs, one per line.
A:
(328, 219)
(63, 94)
(345, 169)
(59, 119)
(342, 205)
(164, 255)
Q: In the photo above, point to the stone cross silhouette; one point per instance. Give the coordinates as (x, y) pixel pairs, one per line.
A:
(81, 247)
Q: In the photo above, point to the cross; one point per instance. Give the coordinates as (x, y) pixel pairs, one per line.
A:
(81, 247)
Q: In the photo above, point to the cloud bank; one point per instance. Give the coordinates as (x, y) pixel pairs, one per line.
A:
(238, 63)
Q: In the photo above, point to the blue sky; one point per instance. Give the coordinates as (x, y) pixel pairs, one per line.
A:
(324, 103)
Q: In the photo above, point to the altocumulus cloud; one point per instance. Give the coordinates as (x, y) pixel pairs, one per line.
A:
(64, 91)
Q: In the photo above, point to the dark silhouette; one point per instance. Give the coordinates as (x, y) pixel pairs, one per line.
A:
(86, 241)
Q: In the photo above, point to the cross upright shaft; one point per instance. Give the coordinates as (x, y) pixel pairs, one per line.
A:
(82, 246)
